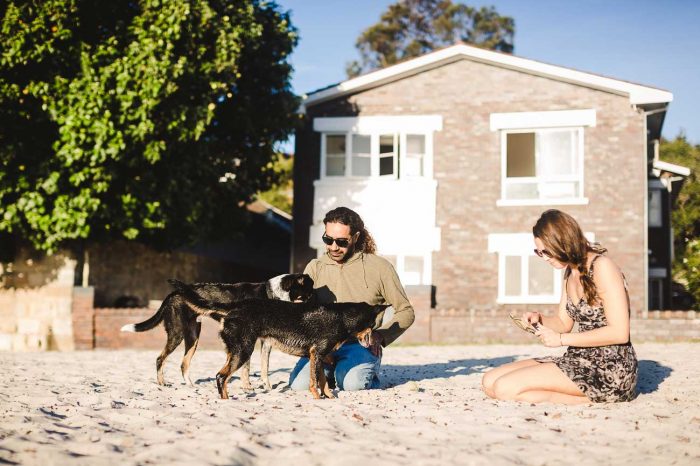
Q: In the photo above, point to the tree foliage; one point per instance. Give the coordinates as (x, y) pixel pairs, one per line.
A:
(280, 194)
(147, 120)
(686, 214)
(410, 28)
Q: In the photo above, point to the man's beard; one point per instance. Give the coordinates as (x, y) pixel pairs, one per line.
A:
(348, 254)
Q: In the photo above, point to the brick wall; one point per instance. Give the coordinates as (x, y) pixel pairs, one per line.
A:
(494, 326)
(109, 321)
(83, 317)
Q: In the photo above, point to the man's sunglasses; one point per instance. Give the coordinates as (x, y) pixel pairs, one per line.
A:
(341, 242)
(543, 253)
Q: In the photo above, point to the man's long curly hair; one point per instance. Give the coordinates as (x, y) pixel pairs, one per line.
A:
(365, 242)
(564, 239)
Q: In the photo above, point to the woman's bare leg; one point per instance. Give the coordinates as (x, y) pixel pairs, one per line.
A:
(543, 396)
(491, 376)
(538, 383)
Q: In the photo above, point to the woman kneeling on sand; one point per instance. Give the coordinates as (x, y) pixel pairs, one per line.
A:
(600, 364)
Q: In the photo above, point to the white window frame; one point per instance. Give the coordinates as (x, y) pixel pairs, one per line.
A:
(376, 126)
(399, 264)
(427, 278)
(324, 156)
(540, 122)
(427, 155)
(376, 156)
(522, 245)
(525, 297)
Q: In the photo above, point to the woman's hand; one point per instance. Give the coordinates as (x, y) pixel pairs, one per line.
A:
(548, 337)
(532, 318)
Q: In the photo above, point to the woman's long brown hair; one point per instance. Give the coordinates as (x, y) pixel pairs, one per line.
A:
(564, 239)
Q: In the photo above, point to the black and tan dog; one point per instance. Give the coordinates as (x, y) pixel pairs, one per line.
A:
(300, 329)
(182, 323)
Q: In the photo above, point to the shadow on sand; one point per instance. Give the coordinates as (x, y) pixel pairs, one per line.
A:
(651, 374)
(392, 376)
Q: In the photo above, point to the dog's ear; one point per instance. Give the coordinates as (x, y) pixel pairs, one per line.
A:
(305, 279)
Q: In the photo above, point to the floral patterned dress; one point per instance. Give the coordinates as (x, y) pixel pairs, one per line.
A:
(603, 373)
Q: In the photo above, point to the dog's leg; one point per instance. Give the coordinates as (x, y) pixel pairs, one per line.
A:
(265, 363)
(192, 332)
(315, 364)
(224, 374)
(174, 339)
(325, 389)
(238, 354)
(329, 360)
(245, 376)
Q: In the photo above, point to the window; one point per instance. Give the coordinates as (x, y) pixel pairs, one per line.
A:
(527, 278)
(655, 211)
(415, 153)
(377, 146)
(523, 278)
(388, 154)
(412, 270)
(371, 155)
(335, 154)
(542, 156)
(543, 164)
(361, 155)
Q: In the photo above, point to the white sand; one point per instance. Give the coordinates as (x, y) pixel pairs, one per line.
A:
(93, 408)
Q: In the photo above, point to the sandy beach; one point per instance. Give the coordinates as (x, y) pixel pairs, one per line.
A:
(101, 407)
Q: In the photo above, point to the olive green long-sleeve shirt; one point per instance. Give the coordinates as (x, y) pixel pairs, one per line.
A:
(363, 278)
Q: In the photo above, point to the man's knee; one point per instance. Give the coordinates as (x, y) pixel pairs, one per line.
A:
(299, 383)
(357, 378)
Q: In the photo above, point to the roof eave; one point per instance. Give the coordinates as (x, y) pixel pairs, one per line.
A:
(638, 94)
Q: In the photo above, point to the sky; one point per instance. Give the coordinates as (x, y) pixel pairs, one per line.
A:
(650, 42)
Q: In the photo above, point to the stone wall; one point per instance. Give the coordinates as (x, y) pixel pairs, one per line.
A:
(36, 303)
(120, 269)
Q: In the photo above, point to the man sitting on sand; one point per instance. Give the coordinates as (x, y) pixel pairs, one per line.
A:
(352, 272)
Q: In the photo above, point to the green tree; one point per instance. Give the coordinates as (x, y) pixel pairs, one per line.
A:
(410, 28)
(280, 194)
(145, 120)
(686, 214)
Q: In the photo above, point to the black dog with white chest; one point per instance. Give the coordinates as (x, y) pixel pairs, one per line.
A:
(181, 322)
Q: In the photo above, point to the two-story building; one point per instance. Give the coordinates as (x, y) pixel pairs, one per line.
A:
(451, 157)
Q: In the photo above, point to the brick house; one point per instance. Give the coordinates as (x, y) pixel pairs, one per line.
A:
(451, 157)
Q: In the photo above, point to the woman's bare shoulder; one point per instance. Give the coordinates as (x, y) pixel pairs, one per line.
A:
(605, 268)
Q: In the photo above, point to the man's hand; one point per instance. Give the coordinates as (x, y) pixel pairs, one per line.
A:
(375, 345)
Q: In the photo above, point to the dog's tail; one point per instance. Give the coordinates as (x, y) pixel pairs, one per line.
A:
(195, 302)
(151, 322)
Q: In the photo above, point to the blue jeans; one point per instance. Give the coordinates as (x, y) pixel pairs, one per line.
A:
(356, 368)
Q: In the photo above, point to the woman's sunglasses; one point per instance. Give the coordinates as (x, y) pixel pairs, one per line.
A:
(543, 253)
(341, 242)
